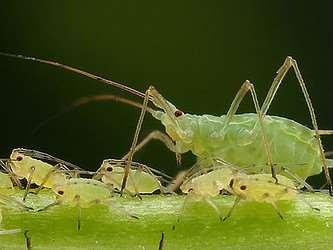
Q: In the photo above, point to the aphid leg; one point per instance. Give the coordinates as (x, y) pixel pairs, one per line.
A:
(27, 240)
(291, 63)
(277, 210)
(48, 175)
(156, 135)
(27, 188)
(298, 179)
(237, 200)
(162, 188)
(214, 206)
(8, 169)
(135, 140)
(77, 201)
(248, 86)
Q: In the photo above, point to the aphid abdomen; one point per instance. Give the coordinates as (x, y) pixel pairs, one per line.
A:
(292, 144)
(82, 192)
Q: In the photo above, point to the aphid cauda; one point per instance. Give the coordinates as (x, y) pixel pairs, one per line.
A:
(239, 139)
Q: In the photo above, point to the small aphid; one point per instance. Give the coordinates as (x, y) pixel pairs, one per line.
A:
(208, 183)
(261, 188)
(142, 179)
(34, 166)
(83, 193)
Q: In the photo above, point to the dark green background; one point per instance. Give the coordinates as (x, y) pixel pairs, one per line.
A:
(197, 53)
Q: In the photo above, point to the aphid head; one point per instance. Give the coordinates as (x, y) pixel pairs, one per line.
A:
(18, 163)
(177, 124)
(237, 186)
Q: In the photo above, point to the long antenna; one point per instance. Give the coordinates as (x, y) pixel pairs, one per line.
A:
(85, 100)
(76, 70)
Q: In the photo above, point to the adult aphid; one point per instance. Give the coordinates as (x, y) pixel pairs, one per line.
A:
(141, 180)
(239, 139)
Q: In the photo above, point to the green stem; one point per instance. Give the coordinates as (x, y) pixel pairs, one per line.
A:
(251, 226)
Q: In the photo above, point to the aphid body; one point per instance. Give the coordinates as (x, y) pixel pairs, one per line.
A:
(141, 178)
(262, 188)
(38, 171)
(82, 192)
(208, 182)
(240, 143)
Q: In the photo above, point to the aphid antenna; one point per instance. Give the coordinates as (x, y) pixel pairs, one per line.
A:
(76, 70)
(44, 156)
(86, 100)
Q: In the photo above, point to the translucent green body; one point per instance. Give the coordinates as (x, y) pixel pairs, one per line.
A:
(138, 180)
(82, 192)
(241, 142)
(21, 166)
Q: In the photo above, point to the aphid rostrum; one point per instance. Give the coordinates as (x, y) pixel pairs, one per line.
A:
(239, 139)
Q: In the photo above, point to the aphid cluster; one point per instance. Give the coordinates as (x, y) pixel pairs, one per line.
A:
(252, 156)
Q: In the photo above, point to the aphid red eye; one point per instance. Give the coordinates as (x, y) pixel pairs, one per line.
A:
(190, 190)
(109, 169)
(19, 158)
(60, 192)
(178, 113)
(243, 187)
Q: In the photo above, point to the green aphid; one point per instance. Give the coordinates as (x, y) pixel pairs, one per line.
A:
(142, 179)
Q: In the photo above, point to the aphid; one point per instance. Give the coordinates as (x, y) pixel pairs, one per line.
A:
(83, 193)
(34, 166)
(142, 179)
(239, 139)
(261, 188)
(208, 183)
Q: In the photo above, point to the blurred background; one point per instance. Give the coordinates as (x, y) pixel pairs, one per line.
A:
(196, 53)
